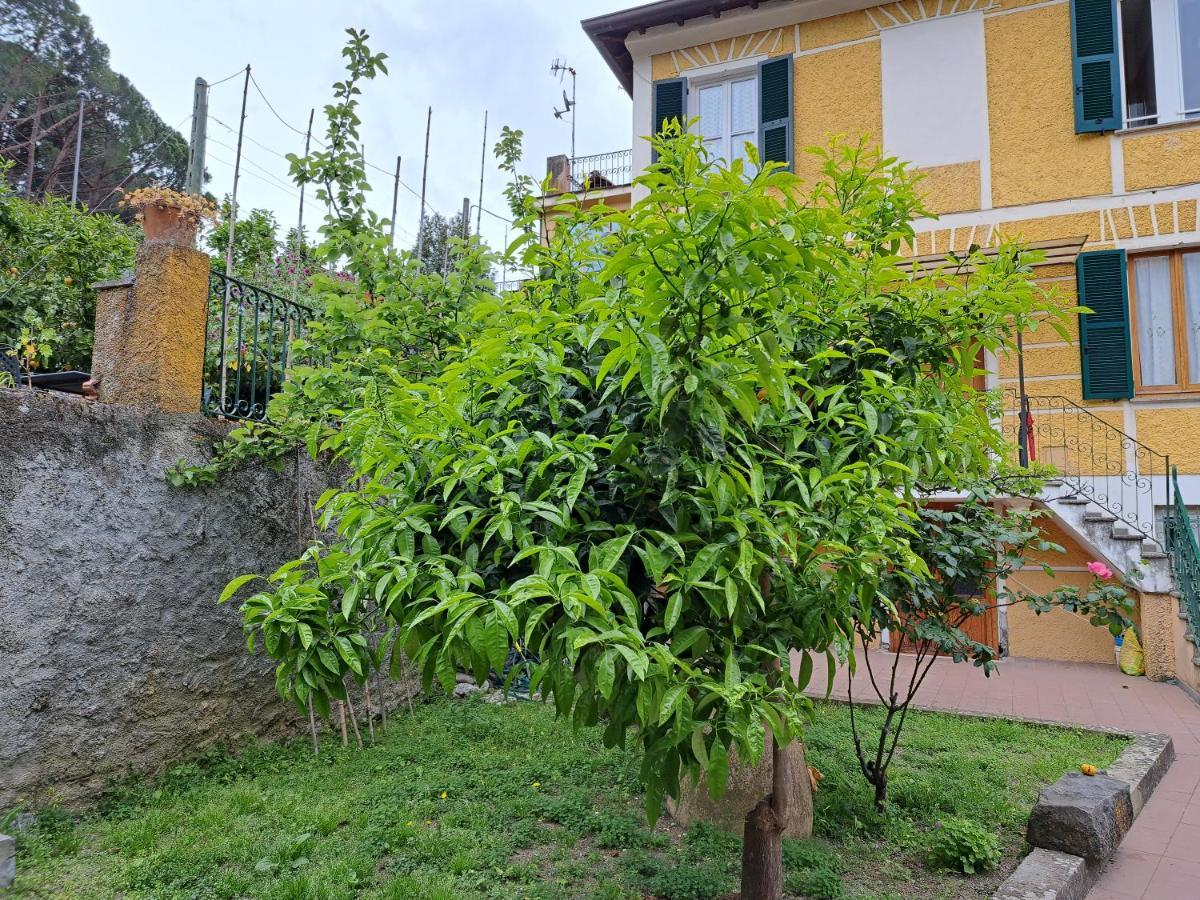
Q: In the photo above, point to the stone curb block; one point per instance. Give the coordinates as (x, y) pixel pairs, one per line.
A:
(1047, 875)
(1088, 814)
(8, 860)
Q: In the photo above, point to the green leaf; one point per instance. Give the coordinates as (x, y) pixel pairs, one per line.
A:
(496, 642)
(232, 587)
(718, 769)
(674, 608)
(806, 668)
(606, 673)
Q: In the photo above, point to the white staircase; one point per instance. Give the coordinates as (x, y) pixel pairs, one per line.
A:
(1139, 557)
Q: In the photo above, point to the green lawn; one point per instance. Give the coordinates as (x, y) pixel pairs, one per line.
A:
(473, 800)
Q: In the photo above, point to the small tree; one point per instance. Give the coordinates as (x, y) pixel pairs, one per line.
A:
(692, 447)
(972, 554)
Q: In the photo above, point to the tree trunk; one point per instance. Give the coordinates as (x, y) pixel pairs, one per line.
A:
(762, 854)
(880, 791)
(762, 835)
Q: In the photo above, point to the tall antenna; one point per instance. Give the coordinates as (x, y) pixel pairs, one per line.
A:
(560, 68)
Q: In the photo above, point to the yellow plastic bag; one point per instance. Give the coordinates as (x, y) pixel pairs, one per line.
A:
(1132, 659)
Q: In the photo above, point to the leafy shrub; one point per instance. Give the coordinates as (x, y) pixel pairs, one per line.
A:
(821, 884)
(52, 255)
(705, 841)
(617, 832)
(688, 883)
(808, 855)
(964, 846)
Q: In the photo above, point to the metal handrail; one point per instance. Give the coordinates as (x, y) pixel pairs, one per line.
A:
(1096, 460)
(601, 170)
(248, 341)
(1185, 554)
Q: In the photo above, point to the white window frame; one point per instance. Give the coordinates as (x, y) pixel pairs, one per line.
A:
(1168, 68)
(726, 78)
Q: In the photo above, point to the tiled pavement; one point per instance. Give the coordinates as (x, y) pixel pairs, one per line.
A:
(1160, 857)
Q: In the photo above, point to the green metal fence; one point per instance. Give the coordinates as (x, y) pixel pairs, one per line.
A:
(1185, 554)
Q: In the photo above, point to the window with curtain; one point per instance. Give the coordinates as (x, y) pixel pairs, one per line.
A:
(1160, 60)
(728, 112)
(1165, 294)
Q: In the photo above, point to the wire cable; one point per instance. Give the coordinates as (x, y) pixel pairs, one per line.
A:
(266, 178)
(213, 84)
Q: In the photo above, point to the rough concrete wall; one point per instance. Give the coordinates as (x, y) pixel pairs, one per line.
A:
(1158, 635)
(114, 654)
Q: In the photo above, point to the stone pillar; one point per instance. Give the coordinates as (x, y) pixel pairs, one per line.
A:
(149, 347)
(559, 170)
(1158, 635)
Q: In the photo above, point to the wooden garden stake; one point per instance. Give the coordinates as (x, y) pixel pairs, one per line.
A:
(354, 721)
(370, 716)
(312, 726)
(342, 716)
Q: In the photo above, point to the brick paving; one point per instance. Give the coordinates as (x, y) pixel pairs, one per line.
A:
(1160, 857)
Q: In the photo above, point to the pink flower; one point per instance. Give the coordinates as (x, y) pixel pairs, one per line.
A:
(1099, 569)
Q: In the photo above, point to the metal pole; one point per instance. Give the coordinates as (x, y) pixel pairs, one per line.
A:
(572, 114)
(466, 218)
(1023, 426)
(482, 165)
(424, 176)
(395, 198)
(237, 166)
(299, 245)
(78, 150)
(237, 170)
(195, 170)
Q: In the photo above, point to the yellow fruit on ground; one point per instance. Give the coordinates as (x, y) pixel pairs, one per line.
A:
(1087, 769)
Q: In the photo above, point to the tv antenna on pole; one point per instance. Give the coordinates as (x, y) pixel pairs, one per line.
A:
(560, 68)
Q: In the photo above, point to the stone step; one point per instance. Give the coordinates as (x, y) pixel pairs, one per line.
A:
(1072, 500)
(1099, 517)
(1153, 554)
(1125, 534)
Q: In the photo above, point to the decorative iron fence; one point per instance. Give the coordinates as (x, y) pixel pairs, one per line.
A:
(1185, 555)
(247, 347)
(1094, 458)
(601, 170)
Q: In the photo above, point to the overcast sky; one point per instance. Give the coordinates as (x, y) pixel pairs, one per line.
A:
(459, 56)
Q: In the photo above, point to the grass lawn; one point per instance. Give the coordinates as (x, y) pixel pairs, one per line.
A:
(473, 800)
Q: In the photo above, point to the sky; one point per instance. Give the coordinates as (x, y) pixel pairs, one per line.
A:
(461, 57)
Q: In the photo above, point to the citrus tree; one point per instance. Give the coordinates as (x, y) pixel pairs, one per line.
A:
(671, 470)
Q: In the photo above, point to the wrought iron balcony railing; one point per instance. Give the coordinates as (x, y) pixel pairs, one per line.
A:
(1095, 459)
(247, 347)
(601, 170)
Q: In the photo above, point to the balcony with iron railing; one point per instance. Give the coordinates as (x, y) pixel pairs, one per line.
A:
(586, 174)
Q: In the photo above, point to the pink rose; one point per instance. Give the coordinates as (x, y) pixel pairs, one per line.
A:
(1099, 569)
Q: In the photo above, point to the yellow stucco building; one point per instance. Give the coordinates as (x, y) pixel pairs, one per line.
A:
(1073, 125)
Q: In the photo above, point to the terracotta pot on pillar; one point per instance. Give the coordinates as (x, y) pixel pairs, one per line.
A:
(169, 225)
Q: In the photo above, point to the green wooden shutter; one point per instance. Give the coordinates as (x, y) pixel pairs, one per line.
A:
(670, 102)
(775, 110)
(1097, 66)
(1105, 352)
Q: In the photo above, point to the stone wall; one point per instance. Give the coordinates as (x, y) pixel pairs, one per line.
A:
(114, 655)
